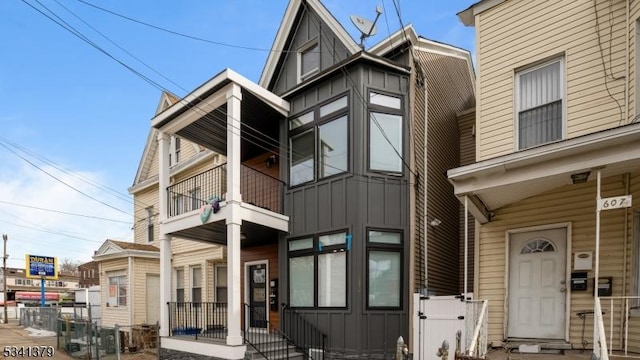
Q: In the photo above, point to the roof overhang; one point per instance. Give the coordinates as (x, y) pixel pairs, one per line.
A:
(211, 95)
(468, 15)
(494, 183)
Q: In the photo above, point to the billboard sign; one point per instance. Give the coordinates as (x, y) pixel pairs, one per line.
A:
(42, 266)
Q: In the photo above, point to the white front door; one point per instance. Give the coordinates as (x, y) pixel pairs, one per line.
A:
(537, 289)
(153, 299)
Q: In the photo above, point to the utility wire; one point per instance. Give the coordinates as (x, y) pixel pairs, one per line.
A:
(51, 232)
(183, 34)
(64, 212)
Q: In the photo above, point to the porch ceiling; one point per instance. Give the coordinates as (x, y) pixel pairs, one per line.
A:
(216, 232)
(494, 183)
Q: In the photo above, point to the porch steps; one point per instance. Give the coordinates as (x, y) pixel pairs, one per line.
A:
(272, 346)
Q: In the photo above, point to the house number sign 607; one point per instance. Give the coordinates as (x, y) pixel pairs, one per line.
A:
(615, 202)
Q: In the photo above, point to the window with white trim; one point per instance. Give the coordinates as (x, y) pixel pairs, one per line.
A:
(308, 59)
(117, 291)
(318, 271)
(221, 283)
(179, 285)
(150, 229)
(174, 150)
(539, 104)
(196, 284)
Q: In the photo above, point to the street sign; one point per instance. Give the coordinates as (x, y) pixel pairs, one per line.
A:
(42, 266)
(615, 202)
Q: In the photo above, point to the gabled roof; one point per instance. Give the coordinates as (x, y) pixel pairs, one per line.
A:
(116, 249)
(166, 100)
(468, 15)
(287, 26)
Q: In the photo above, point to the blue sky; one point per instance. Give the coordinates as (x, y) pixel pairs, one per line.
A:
(67, 105)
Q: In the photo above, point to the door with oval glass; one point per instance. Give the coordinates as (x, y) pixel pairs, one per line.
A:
(537, 284)
(257, 281)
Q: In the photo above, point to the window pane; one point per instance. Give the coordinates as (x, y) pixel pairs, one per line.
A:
(301, 244)
(384, 279)
(334, 147)
(540, 86)
(196, 277)
(221, 276)
(540, 125)
(221, 294)
(180, 295)
(310, 59)
(385, 100)
(384, 237)
(333, 239)
(301, 282)
(180, 279)
(300, 120)
(302, 148)
(333, 106)
(332, 279)
(196, 295)
(384, 149)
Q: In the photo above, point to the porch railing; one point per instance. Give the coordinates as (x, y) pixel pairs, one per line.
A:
(304, 335)
(476, 327)
(256, 187)
(267, 341)
(621, 329)
(198, 319)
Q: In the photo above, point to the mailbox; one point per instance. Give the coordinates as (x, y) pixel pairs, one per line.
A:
(605, 286)
(273, 295)
(579, 281)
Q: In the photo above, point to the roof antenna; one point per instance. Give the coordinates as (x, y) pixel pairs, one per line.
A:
(366, 27)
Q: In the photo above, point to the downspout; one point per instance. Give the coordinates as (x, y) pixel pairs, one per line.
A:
(130, 293)
(627, 191)
(627, 61)
(424, 191)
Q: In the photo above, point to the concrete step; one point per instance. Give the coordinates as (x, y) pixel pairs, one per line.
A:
(253, 354)
(535, 345)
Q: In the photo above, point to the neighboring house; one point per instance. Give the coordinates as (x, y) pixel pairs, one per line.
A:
(28, 290)
(333, 198)
(556, 127)
(89, 274)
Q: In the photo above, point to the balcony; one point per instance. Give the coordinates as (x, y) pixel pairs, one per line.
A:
(257, 189)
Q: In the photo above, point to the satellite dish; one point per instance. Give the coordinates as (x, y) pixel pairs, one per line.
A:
(366, 27)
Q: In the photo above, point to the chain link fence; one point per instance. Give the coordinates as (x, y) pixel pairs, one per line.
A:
(39, 318)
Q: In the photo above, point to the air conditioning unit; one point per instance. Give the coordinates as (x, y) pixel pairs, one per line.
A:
(316, 354)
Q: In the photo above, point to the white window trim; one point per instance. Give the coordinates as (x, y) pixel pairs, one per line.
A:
(175, 285)
(301, 50)
(192, 285)
(217, 281)
(118, 273)
(173, 150)
(516, 96)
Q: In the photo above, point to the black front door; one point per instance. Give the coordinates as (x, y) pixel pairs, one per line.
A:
(258, 295)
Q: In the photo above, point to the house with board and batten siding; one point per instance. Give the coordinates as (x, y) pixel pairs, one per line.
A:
(317, 203)
(556, 179)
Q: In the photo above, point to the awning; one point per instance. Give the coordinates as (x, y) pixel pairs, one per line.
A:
(494, 183)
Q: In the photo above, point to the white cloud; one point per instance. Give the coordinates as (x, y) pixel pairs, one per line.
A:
(32, 231)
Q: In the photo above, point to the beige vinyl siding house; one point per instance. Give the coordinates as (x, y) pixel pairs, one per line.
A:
(112, 315)
(570, 65)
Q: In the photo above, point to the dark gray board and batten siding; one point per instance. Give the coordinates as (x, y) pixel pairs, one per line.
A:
(354, 201)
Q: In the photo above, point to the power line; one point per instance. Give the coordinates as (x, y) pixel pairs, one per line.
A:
(192, 37)
(51, 232)
(64, 212)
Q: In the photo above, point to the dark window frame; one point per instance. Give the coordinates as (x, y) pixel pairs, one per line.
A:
(375, 108)
(391, 248)
(316, 252)
(314, 127)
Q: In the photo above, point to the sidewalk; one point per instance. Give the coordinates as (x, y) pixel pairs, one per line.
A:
(13, 335)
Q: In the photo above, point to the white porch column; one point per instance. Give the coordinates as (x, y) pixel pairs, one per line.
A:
(165, 240)
(234, 221)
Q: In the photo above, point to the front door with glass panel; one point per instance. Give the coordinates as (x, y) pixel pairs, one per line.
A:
(537, 289)
(257, 281)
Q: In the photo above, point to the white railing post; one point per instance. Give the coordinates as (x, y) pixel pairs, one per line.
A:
(477, 330)
(600, 340)
(626, 325)
(610, 325)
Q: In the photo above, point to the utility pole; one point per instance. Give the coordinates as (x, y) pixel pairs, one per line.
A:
(4, 277)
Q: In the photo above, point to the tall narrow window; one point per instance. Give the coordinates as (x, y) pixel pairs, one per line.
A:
(196, 284)
(180, 285)
(174, 150)
(384, 269)
(221, 284)
(150, 229)
(385, 133)
(539, 103)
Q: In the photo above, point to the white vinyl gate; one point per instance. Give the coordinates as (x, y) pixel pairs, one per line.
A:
(437, 318)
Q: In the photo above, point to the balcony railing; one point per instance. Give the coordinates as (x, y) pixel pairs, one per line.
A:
(257, 188)
(198, 319)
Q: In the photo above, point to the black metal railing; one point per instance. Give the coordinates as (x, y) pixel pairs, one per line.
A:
(265, 339)
(198, 319)
(305, 336)
(256, 187)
